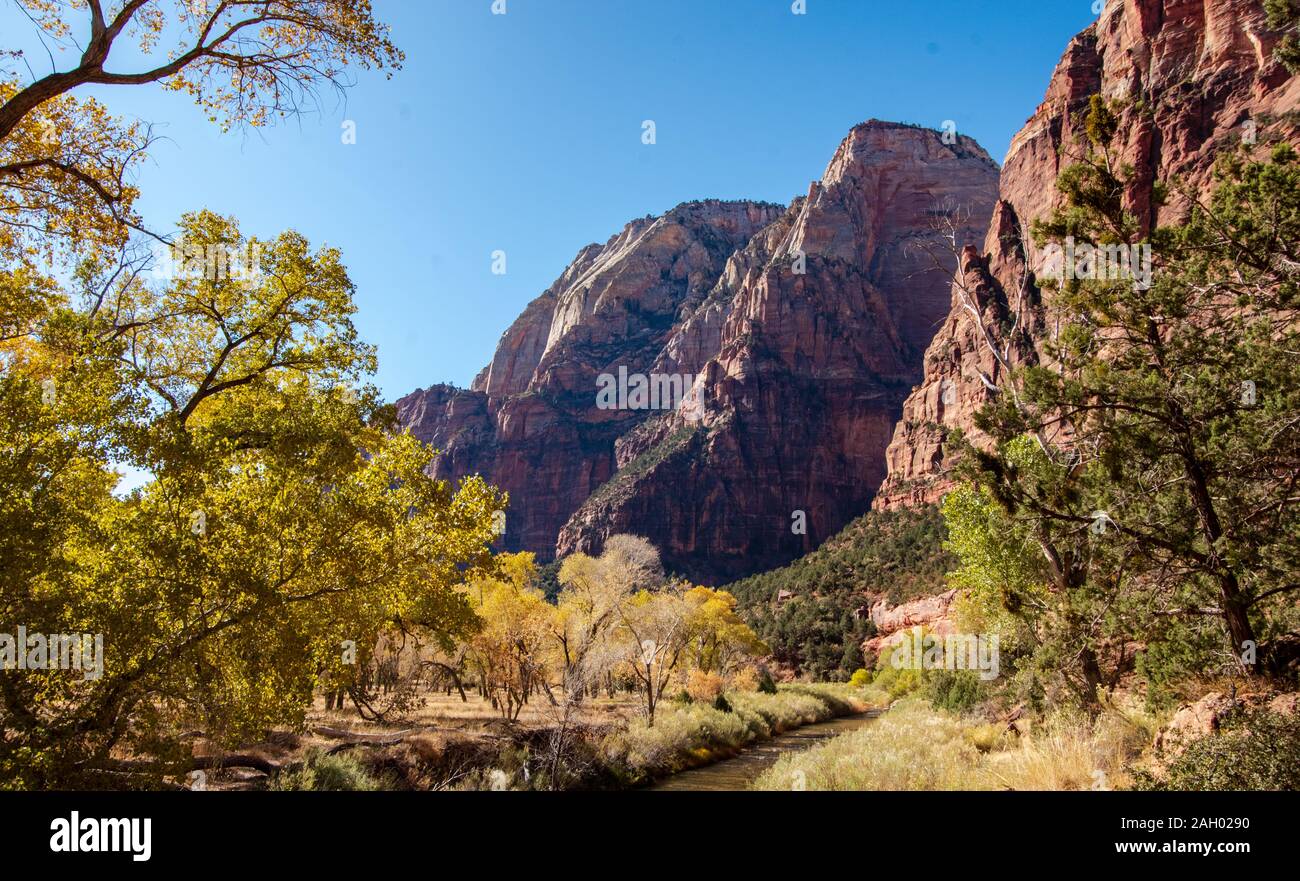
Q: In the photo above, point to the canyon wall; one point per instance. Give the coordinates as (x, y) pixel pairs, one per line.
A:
(802, 329)
(1192, 77)
(820, 324)
(529, 423)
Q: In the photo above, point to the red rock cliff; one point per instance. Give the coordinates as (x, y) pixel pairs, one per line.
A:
(1194, 75)
(807, 371)
(529, 423)
(805, 327)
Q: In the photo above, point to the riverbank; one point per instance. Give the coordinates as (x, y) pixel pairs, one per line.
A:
(737, 774)
(603, 745)
(687, 736)
(918, 747)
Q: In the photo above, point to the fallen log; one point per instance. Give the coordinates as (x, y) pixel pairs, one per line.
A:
(197, 763)
(360, 738)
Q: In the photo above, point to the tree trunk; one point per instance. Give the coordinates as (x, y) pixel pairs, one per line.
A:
(650, 695)
(1091, 680)
(1234, 604)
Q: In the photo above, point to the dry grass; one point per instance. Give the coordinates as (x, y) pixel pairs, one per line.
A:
(910, 747)
(987, 737)
(442, 729)
(687, 735)
(915, 747)
(445, 740)
(1060, 755)
(1069, 752)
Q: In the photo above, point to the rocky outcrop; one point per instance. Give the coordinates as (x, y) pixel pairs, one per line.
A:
(802, 329)
(1194, 721)
(1205, 716)
(815, 331)
(1192, 76)
(892, 624)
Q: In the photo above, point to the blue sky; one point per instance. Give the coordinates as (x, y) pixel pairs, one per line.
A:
(522, 132)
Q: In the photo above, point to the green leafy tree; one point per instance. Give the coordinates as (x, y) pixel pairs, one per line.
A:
(282, 520)
(1152, 456)
(1284, 16)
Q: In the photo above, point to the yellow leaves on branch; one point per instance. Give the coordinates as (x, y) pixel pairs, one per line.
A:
(719, 639)
(510, 651)
(65, 164)
(616, 618)
(281, 516)
(65, 180)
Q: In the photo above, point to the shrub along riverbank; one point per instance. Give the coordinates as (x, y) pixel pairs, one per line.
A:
(917, 747)
(689, 735)
(686, 734)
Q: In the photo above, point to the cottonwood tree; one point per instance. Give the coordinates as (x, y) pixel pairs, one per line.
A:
(281, 515)
(510, 647)
(66, 164)
(652, 636)
(589, 605)
(586, 614)
(718, 639)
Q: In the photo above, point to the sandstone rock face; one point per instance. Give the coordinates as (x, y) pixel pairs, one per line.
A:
(529, 422)
(814, 334)
(802, 328)
(1195, 75)
(893, 625)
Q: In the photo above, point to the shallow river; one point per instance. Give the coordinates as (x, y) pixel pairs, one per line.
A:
(738, 772)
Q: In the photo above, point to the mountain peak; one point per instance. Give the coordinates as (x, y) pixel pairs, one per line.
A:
(800, 327)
